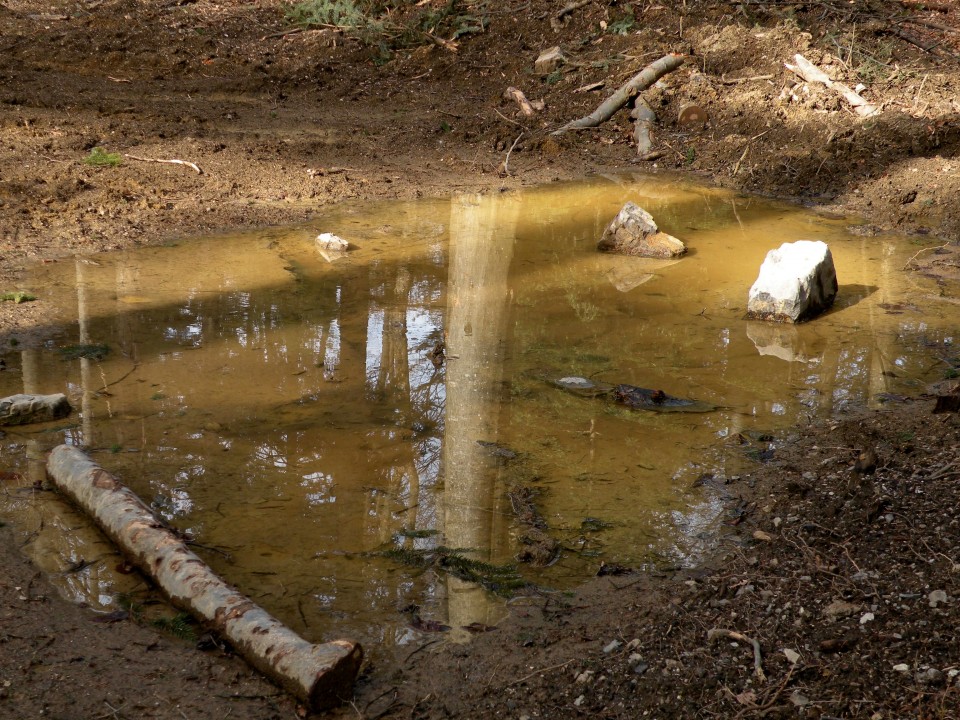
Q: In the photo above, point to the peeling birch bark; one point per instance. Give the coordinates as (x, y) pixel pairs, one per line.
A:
(319, 675)
(638, 83)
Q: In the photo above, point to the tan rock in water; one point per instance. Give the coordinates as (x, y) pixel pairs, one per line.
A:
(634, 232)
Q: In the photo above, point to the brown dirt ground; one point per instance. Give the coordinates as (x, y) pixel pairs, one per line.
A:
(283, 124)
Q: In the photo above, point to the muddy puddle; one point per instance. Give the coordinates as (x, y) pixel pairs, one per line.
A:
(319, 424)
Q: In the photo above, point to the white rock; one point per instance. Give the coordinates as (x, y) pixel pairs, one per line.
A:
(329, 241)
(902, 667)
(867, 617)
(937, 597)
(796, 282)
(612, 646)
(792, 655)
(331, 247)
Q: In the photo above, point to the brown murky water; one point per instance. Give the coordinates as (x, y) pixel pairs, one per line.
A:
(286, 412)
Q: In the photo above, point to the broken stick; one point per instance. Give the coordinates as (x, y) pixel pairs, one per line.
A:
(643, 119)
(638, 83)
(515, 94)
(168, 162)
(319, 675)
(811, 73)
(556, 20)
(715, 633)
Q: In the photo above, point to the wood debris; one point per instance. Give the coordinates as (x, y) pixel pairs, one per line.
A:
(529, 109)
(641, 113)
(812, 74)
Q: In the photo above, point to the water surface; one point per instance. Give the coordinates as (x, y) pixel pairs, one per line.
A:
(288, 412)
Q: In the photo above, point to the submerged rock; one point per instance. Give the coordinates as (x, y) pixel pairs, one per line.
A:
(24, 409)
(640, 398)
(584, 387)
(633, 232)
(636, 398)
(331, 247)
(797, 282)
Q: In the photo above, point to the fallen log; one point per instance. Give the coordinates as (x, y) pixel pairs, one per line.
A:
(319, 675)
(638, 83)
(25, 409)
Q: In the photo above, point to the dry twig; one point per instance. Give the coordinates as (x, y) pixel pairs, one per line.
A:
(557, 20)
(505, 168)
(189, 164)
(715, 633)
(638, 83)
(922, 250)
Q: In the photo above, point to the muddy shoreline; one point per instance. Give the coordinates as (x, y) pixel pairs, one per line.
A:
(282, 125)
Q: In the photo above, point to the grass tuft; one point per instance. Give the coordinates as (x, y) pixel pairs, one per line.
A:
(99, 157)
(503, 580)
(90, 352)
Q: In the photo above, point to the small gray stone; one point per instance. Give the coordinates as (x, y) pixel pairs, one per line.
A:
(612, 646)
(930, 676)
(585, 677)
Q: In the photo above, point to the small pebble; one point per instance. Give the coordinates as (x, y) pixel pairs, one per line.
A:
(612, 646)
(930, 676)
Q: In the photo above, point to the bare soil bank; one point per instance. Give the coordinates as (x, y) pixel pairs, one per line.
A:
(283, 124)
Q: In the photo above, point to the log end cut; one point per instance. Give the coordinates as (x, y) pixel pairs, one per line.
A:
(339, 662)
